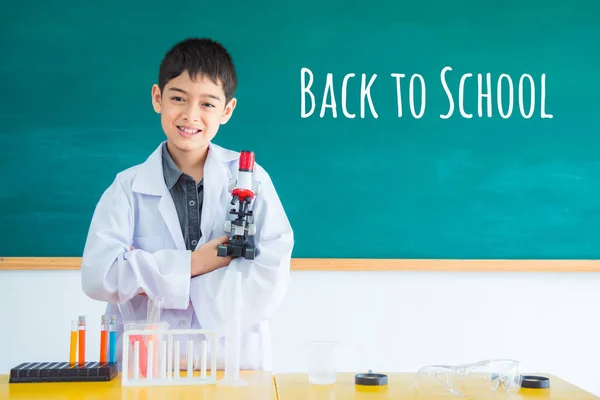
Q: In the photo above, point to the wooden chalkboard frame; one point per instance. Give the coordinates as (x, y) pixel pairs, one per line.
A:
(347, 264)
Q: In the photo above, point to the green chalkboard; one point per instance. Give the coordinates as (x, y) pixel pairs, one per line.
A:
(76, 109)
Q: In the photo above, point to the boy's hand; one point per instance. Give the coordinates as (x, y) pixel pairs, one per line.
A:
(205, 259)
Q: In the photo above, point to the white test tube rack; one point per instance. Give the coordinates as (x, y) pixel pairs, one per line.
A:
(167, 365)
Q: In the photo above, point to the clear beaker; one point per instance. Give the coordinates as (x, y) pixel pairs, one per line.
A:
(470, 380)
(321, 362)
(143, 345)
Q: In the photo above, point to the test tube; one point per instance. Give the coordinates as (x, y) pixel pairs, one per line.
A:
(154, 309)
(81, 341)
(113, 339)
(127, 312)
(73, 349)
(103, 339)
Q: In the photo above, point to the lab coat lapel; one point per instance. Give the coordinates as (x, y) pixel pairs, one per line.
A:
(150, 181)
(169, 215)
(216, 180)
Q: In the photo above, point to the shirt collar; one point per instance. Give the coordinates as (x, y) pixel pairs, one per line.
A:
(170, 171)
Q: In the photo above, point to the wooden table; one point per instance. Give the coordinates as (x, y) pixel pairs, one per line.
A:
(260, 387)
(296, 387)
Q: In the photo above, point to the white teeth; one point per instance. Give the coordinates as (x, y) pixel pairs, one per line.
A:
(191, 131)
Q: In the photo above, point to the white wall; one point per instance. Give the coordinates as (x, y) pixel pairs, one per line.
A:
(385, 321)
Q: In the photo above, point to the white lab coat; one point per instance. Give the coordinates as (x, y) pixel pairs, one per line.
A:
(138, 210)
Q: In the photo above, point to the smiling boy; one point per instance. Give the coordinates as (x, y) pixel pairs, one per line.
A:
(156, 229)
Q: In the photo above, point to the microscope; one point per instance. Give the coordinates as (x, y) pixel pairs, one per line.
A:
(243, 191)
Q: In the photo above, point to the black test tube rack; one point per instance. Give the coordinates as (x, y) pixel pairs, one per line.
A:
(62, 372)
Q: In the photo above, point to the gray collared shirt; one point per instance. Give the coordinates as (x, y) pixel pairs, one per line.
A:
(187, 197)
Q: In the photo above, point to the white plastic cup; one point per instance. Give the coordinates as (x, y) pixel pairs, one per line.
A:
(321, 362)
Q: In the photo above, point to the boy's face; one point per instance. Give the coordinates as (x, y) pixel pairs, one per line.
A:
(191, 111)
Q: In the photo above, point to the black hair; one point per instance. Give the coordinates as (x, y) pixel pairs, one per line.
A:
(199, 56)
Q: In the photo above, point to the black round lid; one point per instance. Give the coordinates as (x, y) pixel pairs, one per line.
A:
(370, 379)
(535, 382)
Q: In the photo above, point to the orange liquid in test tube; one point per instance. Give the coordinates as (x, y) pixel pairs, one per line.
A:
(103, 339)
(81, 341)
(73, 350)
